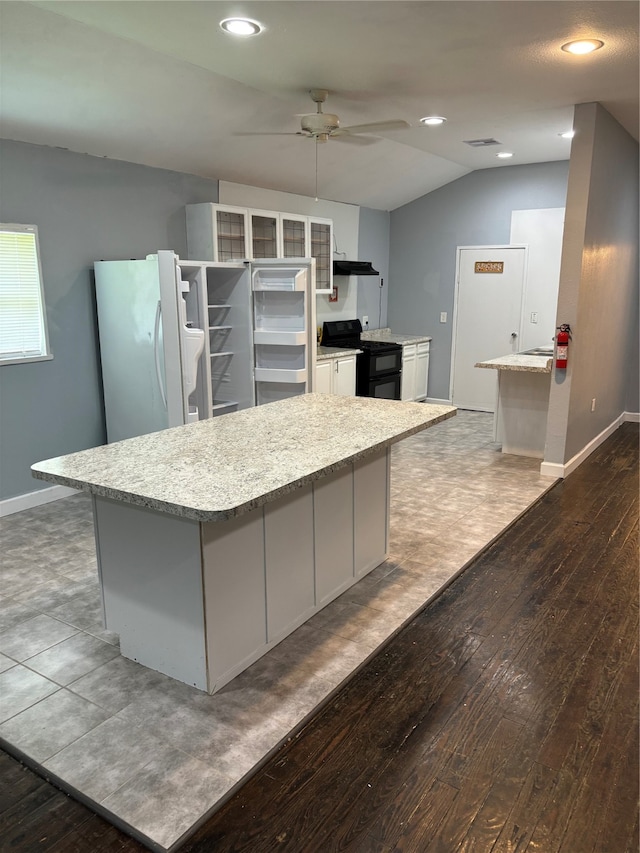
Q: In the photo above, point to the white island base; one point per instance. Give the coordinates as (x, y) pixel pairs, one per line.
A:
(522, 404)
(201, 601)
(217, 539)
(521, 412)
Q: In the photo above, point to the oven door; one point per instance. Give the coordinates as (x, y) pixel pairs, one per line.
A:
(385, 387)
(384, 362)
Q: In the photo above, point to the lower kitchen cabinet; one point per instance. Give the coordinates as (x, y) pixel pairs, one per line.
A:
(408, 386)
(415, 371)
(422, 370)
(336, 376)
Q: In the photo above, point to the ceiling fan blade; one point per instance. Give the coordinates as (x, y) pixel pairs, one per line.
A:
(342, 136)
(374, 127)
(268, 133)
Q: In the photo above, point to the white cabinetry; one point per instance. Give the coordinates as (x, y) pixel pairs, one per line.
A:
(294, 233)
(415, 371)
(264, 234)
(321, 248)
(422, 370)
(324, 376)
(217, 232)
(409, 355)
(223, 233)
(336, 376)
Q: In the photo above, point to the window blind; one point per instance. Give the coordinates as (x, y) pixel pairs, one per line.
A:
(23, 332)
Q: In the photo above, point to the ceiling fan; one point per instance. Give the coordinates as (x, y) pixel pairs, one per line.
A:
(324, 126)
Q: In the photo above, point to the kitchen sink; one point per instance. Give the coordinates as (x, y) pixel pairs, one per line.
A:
(548, 351)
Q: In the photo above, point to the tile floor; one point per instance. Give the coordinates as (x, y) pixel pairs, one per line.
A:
(156, 755)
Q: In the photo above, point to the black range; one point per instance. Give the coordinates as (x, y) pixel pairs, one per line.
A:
(378, 366)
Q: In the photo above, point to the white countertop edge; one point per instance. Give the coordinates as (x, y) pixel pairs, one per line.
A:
(391, 337)
(522, 363)
(326, 353)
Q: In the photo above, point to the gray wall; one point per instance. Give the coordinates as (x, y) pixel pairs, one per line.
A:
(373, 245)
(86, 209)
(598, 293)
(424, 235)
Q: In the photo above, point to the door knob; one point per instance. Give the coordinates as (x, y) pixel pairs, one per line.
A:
(514, 335)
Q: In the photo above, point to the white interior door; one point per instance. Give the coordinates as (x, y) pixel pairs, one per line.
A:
(487, 320)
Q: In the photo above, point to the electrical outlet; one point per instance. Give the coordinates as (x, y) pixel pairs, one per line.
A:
(443, 316)
(534, 316)
(365, 321)
(593, 405)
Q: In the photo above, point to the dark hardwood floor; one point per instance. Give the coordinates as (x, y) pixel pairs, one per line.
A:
(504, 717)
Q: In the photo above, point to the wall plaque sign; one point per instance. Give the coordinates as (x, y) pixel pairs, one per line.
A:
(489, 266)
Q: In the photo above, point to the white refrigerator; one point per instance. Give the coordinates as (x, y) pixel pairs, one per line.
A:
(185, 340)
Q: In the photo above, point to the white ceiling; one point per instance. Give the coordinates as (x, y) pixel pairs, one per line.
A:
(159, 83)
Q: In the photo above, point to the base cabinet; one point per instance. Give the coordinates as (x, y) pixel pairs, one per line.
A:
(422, 371)
(415, 371)
(336, 376)
(408, 386)
(201, 601)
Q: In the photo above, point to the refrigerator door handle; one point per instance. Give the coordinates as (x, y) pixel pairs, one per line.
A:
(156, 350)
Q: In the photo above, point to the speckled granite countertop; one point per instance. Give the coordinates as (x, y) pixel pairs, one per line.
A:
(388, 335)
(221, 467)
(517, 361)
(324, 353)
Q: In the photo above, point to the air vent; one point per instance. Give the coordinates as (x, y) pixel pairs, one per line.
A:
(481, 143)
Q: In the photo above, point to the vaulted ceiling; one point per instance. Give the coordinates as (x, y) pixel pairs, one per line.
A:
(159, 83)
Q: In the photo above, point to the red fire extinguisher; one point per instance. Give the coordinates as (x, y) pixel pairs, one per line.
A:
(562, 346)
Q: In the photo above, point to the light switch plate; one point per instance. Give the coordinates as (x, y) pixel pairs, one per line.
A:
(443, 316)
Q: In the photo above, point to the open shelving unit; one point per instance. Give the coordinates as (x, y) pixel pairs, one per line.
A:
(229, 345)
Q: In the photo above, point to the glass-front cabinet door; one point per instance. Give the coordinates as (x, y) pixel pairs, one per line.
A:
(264, 234)
(231, 234)
(294, 236)
(321, 246)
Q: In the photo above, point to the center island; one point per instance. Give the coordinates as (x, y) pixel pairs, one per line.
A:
(217, 539)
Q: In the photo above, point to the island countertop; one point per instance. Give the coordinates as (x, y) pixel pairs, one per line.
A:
(519, 362)
(219, 468)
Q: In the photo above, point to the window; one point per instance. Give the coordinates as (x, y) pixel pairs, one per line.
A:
(23, 326)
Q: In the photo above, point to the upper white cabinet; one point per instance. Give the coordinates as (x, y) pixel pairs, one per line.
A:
(224, 233)
(294, 230)
(264, 234)
(217, 232)
(321, 248)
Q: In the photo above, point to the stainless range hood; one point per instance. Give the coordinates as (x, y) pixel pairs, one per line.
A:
(353, 268)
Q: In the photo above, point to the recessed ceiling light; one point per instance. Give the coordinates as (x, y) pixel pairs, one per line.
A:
(504, 155)
(568, 134)
(433, 120)
(241, 26)
(582, 46)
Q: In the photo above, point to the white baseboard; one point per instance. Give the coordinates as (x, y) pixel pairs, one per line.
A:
(32, 499)
(438, 402)
(632, 417)
(561, 470)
